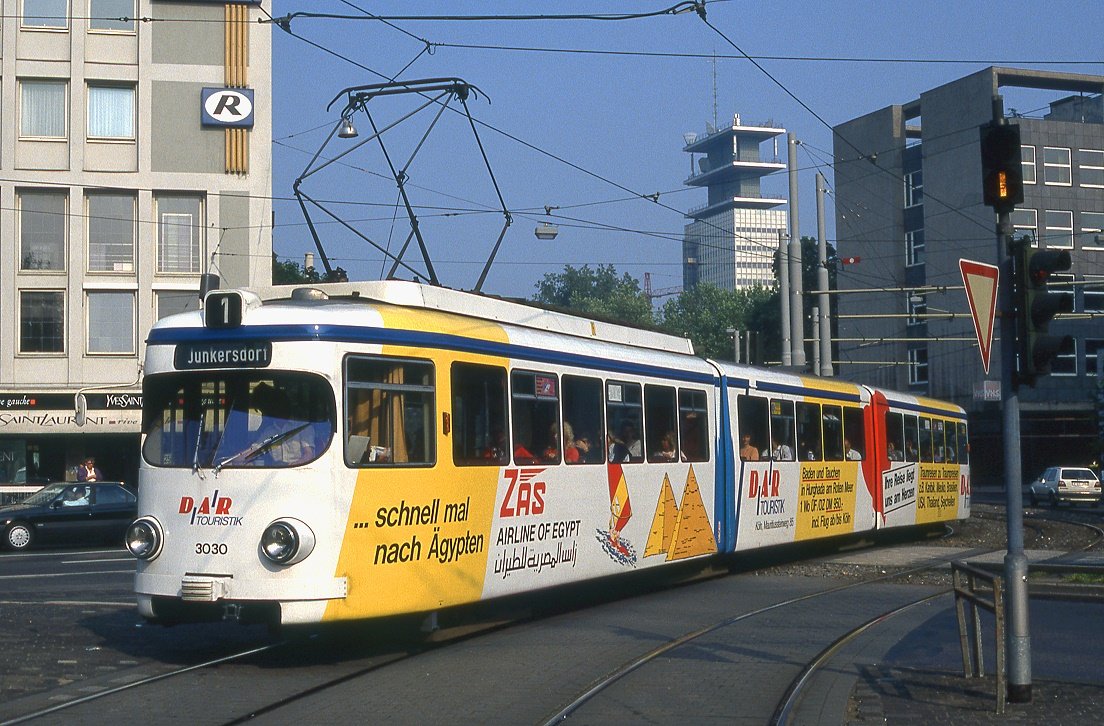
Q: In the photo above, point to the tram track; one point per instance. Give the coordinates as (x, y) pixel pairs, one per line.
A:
(375, 663)
(688, 638)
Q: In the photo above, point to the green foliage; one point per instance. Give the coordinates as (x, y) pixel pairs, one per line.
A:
(705, 313)
(292, 273)
(596, 292)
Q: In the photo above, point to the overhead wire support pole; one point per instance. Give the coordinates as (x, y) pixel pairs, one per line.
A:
(797, 283)
(784, 296)
(825, 368)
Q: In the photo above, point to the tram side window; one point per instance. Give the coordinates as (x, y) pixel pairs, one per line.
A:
(950, 453)
(833, 433)
(751, 413)
(895, 437)
(963, 445)
(693, 425)
(927, 441)
(808, 432)
(535, 417)
(661, 423)
(582, 420)
(782, 431)
(479, 434)
(911, 433)
(389, 405)
(624, 419)
(854, 436)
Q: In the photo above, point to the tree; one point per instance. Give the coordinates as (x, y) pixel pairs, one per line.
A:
(292, 273)
(705, 313)
(597, 292)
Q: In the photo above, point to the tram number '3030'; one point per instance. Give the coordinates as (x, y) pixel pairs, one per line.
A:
(210, 548)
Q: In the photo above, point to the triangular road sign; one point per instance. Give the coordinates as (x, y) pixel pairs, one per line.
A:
(981, 291)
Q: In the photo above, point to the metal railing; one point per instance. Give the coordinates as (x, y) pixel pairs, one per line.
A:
(969, 597)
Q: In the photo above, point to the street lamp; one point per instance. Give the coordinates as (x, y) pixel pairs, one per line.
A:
(547, 230)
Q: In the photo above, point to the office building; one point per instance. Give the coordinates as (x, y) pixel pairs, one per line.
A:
(908, 197)
(136, 160)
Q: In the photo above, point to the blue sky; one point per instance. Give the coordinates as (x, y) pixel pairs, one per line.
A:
(594, 134)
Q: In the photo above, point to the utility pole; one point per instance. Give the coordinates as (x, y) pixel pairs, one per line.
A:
(797, 309)
(825, 367)
(784, 295)
(815, 315)
(1015, 561)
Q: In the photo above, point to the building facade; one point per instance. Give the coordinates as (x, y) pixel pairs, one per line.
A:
(909, 202)
(733, 237)
(136, 159)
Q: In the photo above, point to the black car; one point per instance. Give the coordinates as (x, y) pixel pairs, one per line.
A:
(70, 513)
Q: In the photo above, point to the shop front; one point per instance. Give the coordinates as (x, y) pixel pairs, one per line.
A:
(41, 442)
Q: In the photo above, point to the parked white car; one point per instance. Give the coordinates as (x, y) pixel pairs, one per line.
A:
(1065, 484)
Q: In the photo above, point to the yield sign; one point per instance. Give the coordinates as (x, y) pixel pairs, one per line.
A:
(981, 291)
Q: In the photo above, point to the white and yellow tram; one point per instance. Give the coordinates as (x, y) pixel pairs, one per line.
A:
(389, 447)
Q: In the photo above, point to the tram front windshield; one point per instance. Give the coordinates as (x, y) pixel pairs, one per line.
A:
(238, 419)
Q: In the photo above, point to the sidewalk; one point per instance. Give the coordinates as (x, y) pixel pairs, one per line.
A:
(920, 679)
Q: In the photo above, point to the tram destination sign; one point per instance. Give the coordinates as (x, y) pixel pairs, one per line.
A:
(234, 354)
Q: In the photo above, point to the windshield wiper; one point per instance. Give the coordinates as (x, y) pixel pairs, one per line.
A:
(257, 449)
(199, 438)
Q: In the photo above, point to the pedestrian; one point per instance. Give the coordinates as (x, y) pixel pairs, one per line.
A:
(88, 471)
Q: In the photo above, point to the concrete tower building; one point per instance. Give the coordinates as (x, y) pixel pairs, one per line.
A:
(732, 239)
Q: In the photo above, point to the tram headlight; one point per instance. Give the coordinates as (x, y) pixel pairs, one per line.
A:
(287, 541)
(144, 538)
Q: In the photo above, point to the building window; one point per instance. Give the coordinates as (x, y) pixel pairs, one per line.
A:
(914, 247)
(917, 306)
(179, 233)
(1059, 229)
(109, 14)
(110, 112)
(1091, 167)
(1065, 363)
(914, 188)
(1027, 163)
(1094, 348)
(48, 14)
(1092, 294)
(1025, 222)
(111, 231)
(171, 302)
(42, 109)
(1062, 284)
(111, 322)
(41, 230)
(1056, 166)
(42, 322)
(918, 366)
(1092, 229)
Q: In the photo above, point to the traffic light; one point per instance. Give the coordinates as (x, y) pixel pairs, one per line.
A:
(1036, 306)
(1001, 172)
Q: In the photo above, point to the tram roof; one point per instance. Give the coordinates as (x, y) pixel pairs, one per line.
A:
(477, 305)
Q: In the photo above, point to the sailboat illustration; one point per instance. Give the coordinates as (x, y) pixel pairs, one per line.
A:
(617, 546)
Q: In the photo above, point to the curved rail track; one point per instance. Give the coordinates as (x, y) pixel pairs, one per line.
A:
(365, 665)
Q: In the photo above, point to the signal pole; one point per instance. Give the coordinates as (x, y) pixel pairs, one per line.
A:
(1015, 561)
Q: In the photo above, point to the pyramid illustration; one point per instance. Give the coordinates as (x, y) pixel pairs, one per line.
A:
(664, 521)
(693, 530)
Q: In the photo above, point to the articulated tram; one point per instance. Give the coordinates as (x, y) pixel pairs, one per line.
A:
(389, 447)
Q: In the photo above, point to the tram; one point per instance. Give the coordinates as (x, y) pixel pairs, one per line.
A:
(383, 448)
